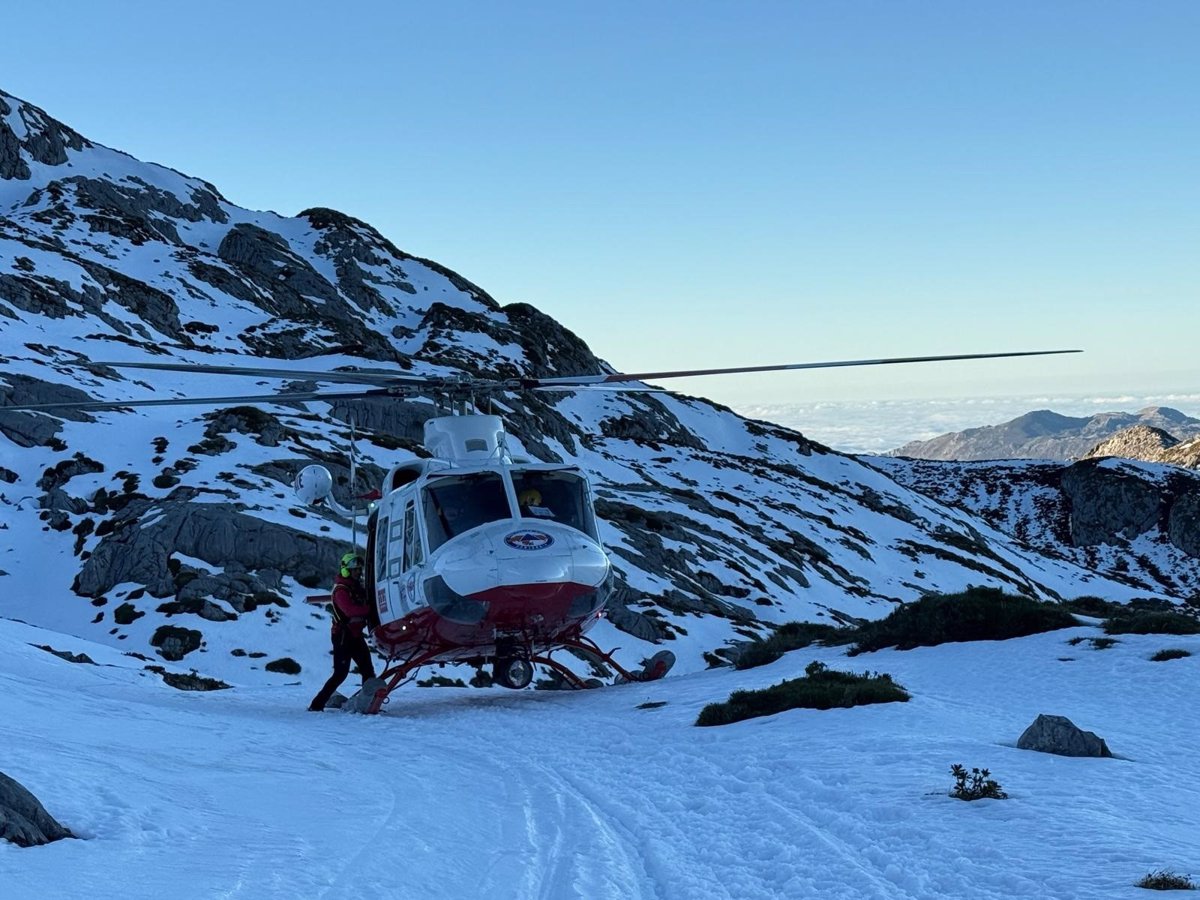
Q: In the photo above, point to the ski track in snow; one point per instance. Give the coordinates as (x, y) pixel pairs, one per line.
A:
(482, 793)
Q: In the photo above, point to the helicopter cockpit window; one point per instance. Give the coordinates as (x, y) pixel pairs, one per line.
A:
(456, 504)
(560, 496)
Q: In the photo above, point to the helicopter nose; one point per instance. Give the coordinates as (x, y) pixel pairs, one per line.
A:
(508, 555)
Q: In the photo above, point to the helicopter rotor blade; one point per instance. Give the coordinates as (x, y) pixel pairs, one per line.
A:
(204, 401)
(688, 373)
(607, 388)
(296, 374)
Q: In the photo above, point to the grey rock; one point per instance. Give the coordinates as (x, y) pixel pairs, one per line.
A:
(36, 429)
(46, 140)
(218, 533)
(1139, 442)
(1059, 735)
(1183, 525)
(175, 643)
(23, 819)
(1109, 505)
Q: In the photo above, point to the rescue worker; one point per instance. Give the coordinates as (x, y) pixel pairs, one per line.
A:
(530, 502)
(350, 611)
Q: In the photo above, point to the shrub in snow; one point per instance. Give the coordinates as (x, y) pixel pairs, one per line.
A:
(975, 785)
(1152, 622)
(1167, 881)
(791, 636)
(1164, 655)
(976, 614)
(1095, 607)
(821, 688)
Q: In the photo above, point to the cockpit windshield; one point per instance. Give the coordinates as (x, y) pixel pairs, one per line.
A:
(456, 504)
(557, 496)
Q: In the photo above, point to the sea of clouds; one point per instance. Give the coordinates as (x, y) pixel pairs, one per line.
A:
(876, 426)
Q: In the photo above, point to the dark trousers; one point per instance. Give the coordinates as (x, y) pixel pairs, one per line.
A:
(347, 646)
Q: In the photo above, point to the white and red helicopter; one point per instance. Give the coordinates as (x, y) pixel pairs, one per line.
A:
(475, 554)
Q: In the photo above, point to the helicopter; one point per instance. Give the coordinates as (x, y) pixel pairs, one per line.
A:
(475, 554)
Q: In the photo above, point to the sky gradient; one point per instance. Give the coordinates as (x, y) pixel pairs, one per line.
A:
(694, 184)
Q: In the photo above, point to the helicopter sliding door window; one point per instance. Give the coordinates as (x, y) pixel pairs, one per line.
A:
(395, 545)
(560, 496)
(413, 555)
(381, 551)
(454, 504)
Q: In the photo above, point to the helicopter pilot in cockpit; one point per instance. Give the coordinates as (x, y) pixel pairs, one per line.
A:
(532, 505)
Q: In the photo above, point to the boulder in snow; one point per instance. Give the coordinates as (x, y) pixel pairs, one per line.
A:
(1058, 734)
(23, 820)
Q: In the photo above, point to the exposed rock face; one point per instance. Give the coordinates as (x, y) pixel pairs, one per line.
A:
(1109, 505)
(23, 819)
(1094, 511)
(1049, 435)
(218, 533)
(1138, 442)
(1183, 525)
(1058, 734)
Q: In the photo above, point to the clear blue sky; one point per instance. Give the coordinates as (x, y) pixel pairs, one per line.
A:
(701, 183)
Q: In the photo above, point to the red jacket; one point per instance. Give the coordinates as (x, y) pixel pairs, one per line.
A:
(350, 609)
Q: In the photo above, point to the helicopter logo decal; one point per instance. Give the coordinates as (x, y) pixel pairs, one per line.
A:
(528, 540)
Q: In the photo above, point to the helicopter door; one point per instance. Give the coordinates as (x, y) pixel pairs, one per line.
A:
(414, 556)
(382, 600)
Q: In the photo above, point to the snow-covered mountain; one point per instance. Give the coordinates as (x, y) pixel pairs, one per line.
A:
(1127, 520)
(173, 532)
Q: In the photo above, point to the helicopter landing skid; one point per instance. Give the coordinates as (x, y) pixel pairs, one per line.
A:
(655, 667)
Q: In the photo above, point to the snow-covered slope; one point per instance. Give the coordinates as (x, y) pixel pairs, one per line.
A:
(119, 526)
(611, 794)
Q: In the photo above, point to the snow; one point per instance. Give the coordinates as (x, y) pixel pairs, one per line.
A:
(462, 792)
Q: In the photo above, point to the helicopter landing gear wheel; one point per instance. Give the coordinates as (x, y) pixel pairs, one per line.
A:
(512, 672)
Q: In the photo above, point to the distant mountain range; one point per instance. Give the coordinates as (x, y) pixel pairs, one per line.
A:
(1154, 434)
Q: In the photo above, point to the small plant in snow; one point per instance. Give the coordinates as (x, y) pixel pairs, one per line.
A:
(1164, 655)
(975, 785)
(1166, 881)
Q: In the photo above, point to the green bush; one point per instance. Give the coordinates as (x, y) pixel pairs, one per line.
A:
(791, 636)
(976, 614)
(975, 785)
(1151, 622)
(1092, 606)
(1166, 881)
(821, 688)
(1164, 655)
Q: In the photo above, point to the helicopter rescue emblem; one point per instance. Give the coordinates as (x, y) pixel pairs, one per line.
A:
(528, 540)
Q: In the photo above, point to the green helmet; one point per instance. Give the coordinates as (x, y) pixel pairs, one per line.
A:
(350, 561)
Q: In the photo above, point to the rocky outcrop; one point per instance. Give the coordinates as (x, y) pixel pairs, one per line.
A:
(1109, 506)
(1139, 442)
(23, 819)
(1059, 735)
(145, 534)
(43, 139)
